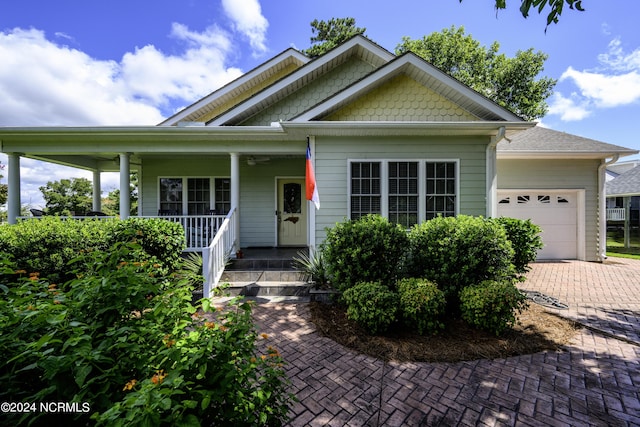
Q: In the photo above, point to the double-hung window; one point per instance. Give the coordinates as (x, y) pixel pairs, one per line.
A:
(406, 192)
(365, 189)
(194, 196)
(441, 189)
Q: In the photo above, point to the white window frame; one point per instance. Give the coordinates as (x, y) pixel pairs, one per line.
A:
(422, 183)
(185, 179)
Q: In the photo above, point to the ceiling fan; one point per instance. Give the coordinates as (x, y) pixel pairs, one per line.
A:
(252, 161)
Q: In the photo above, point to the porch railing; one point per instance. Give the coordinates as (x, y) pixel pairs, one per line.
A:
(216, 255)
(199, 230)
(615, 214)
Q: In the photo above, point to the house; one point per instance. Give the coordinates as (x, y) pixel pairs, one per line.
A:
(387, 134)
(623, 199)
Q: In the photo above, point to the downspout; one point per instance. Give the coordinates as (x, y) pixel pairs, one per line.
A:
(602, 207)
(492, 173)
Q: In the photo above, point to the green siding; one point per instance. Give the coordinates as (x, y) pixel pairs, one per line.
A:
(558, 174)
(312, 93)
(333, 154)
(257, 189)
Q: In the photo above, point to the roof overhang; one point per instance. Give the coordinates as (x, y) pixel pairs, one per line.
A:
(555, 155)
(338, 128)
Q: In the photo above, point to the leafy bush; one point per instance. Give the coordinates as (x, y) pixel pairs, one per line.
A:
(456, 252)
(370, 249)
(421, 305)
(48, 244)
(372, 305)
(525, 240)
(492, 305)
(158, 238)
(125, 339)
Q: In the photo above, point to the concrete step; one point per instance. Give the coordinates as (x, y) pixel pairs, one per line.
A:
(244, 277)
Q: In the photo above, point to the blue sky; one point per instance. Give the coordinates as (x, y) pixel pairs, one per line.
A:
(123, 62)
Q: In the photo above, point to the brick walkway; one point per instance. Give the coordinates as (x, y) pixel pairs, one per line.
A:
(594, 381)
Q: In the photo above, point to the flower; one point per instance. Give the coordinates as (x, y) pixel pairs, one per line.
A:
(265, 336)
(158, 377)
(52, 286)
(20, 272)
(209, 325)
(129, 386)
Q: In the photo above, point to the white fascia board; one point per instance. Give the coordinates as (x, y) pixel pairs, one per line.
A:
(546, 155)
(391, 70)
(233, 85)
(403, 128)
(306, 69)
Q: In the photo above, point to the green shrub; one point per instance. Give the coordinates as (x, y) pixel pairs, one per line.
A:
(125, 340)
(492, 305)
(421, 305)
(456, 252)
(370, 249)
(158, 238)
(372, 305)
(47, 245)
(525, 240)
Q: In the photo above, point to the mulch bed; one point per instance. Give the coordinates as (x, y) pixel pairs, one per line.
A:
(537, 330)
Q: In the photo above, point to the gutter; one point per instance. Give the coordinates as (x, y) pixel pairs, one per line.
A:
(492, 172)
(602, 206)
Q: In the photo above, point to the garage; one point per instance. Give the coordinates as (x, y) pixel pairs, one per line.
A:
(556, 212)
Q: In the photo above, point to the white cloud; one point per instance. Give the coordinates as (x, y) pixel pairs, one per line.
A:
(614, 83)
(569, 109)
(48, 84)
(248, 20)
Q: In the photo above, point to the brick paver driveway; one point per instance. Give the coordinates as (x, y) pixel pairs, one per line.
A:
(593, 381)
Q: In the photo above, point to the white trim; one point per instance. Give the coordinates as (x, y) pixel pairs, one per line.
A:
(422, 183)
(403, 64)
(305, 70)
(277, 178)
(580, 211)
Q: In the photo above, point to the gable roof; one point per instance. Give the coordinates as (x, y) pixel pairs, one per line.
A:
(423, 72)
(241, 88)
(357, 46)
(540, 142)
(626, 184)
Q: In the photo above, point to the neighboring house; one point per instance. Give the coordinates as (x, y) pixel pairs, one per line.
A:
(623, 199)
(388, 135)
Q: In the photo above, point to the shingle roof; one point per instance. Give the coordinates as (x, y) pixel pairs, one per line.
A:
(540, 140)
(627, 183)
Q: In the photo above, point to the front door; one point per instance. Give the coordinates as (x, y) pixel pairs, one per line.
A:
(292, 212)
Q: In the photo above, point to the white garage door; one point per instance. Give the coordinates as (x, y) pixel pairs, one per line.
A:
(555, 213)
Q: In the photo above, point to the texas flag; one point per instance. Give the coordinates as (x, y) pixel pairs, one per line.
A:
(312, 189)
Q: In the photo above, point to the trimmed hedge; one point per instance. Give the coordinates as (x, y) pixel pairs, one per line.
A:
(492, 305)
(421, 304)
(47, 245)
(370, 249)
(372, 305)
(456, 252)
(525, 240)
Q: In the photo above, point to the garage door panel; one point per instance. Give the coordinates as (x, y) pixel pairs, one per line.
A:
(555, 213)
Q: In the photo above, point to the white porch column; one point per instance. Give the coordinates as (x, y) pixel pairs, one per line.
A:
(235, 193)
(13, 196)
(97, 192)
(125, 203)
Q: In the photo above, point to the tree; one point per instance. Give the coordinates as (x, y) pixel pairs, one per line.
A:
(556, 7)
(329, 34)
(111, 204)
(68, 196)
(4, 189)
(510, 82)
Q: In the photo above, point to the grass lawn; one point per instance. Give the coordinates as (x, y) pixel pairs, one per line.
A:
(615, 244)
